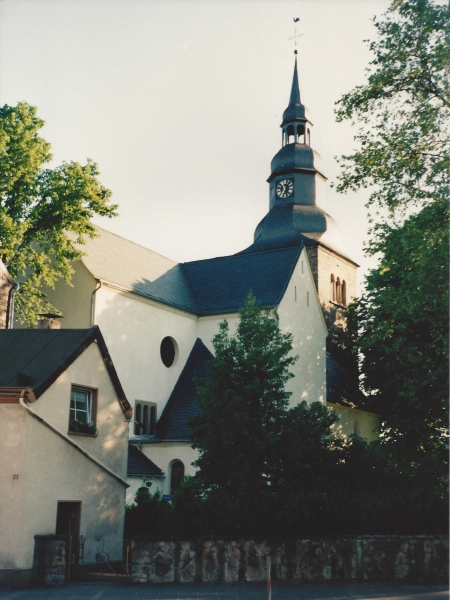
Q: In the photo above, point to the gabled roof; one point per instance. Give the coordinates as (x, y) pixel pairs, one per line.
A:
(220, 285)
(140, 465)
(182, 402)
(35, 358)
(114, 259)
(341, 389)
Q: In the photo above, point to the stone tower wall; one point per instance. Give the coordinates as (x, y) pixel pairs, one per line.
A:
(325, 262)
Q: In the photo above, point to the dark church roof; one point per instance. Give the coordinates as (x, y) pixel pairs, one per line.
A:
(219, 285)
(35, 358)
(140, 465)
(182, 403)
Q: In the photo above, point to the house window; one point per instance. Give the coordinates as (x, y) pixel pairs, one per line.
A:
(176, 475)
(332, 289)
(82, 411)
(344, 293)
(145, 418)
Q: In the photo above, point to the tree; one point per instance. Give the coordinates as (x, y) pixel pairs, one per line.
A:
(243, 408)
(403, 154)
(403, 109)
(38, 206)
(403, 335)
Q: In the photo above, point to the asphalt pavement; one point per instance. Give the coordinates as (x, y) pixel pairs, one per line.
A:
(108, 591)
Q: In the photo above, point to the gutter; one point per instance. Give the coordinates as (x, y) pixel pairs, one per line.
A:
(10, 306)
(72, 443)
(99, 285)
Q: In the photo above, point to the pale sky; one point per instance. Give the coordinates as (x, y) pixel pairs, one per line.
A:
(180, 102)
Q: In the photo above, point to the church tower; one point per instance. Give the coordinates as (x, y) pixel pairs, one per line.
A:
(297, 187)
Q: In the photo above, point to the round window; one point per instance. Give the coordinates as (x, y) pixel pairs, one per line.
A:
(168, 351)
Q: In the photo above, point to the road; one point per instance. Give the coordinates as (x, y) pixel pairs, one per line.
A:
(108, 591)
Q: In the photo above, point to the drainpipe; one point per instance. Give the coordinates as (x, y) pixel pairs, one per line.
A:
(99, 285)
(10, 306)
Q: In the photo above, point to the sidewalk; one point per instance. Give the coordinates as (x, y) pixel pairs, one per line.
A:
(101, 591)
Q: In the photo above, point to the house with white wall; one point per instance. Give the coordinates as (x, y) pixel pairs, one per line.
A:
(63, 441)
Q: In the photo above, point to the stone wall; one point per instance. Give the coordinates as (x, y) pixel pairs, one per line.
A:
(49, 560)
(325, 262)
(416, 559)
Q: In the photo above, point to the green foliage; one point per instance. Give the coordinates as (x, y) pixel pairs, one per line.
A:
(403, 109)
(403, 335)
(245, 403)
(341, 339)
(400, 324)
(150, 515)
(37, 207)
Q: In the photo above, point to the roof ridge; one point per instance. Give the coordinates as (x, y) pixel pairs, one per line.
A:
(237, 255)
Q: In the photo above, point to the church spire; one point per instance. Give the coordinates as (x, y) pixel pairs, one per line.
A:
(295, 90)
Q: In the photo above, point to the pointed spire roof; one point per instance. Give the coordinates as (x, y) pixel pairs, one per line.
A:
(295, 90)
(296, 111)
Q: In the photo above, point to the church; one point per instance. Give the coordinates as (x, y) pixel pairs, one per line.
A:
(158, 317)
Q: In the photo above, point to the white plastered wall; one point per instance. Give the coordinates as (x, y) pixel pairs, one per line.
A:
(164, 454)
(110, 445)
(55, 471)
(300, 314)
(74, 301)
(352, 420)
(133, 328)
(13, 435)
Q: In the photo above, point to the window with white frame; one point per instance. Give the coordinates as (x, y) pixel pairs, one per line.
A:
(82, 410)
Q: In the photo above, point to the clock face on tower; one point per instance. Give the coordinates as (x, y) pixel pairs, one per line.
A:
(285, 187)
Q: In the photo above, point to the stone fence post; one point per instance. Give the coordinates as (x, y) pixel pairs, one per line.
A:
(50, 559)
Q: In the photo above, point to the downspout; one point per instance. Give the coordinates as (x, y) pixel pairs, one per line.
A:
(99, 285)
(10, 306)
(71, 442)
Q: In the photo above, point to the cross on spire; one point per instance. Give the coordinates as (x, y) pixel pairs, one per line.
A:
(295, 36)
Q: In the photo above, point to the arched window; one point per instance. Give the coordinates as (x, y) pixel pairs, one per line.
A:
(137, 420)
(145, 421)
(357, 428)
(309, 138)
(176, 475)
(338, 291)
(332, 289)
(300, 134)
(344, 293)
(152, 420)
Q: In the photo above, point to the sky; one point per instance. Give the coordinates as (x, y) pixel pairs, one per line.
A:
(180, 102)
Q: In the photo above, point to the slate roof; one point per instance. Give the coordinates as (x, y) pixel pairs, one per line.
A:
(182, 403)
(341, 389)
(219, 285)
(112, 258)
(140, 465)
(35, 358)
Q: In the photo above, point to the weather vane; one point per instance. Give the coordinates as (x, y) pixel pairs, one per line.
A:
(295, 36)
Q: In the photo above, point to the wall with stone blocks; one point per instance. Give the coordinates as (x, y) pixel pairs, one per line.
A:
(49, 560)
(416, 559)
